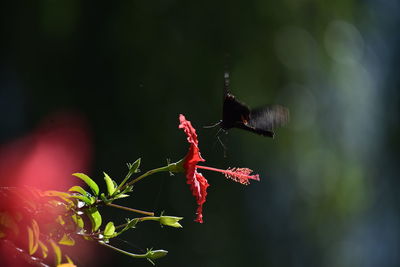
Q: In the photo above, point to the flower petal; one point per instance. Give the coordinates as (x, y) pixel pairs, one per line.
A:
(189, 130)
(193, 156)
(198, 186)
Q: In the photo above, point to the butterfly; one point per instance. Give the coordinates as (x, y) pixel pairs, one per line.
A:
(262, 121)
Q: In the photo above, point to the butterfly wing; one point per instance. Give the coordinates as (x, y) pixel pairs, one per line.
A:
(264, 120)
(234, 113)
(256, 131)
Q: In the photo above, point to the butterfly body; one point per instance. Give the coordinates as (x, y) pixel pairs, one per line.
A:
(262, 121)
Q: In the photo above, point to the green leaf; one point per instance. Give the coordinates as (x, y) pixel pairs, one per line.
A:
(69, 263)
(127, 189)
(121, 196)
(104, 198)
(110, 184)
(78, 189)
(89, 182)
(52, 193)
(33, 236)
(134, 168)
(87, 200)
(110, 229)
(60, 220)
(45, 250)
(78, 221)
(69, 259)
(66, 240)
(95, 218)
(66, 265)
(57, 251)
(130, 224)
(33, 244)
(92, 200)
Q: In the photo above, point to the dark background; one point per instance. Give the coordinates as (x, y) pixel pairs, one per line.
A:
(329, 180)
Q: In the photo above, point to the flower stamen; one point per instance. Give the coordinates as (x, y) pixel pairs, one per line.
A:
(240, 175)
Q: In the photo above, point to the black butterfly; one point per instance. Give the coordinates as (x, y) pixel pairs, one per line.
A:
(261, 121)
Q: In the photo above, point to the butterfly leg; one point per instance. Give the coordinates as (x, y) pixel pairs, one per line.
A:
(212, 126)
(220, 141)
(223, 146)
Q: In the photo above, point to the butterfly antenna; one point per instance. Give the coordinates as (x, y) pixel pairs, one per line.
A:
(212, 126)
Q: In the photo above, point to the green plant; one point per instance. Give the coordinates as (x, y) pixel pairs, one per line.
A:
(35, 222)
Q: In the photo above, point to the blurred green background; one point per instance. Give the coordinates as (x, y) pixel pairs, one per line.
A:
(328, 190)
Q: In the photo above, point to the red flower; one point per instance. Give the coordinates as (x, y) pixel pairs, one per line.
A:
(198, 184)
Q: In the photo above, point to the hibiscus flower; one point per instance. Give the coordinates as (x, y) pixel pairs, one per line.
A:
(198, 183)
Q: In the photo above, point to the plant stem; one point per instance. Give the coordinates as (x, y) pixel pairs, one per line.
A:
(162, 169)
(172, 167)
(141, 219)
(124, 252)
(130, 209)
